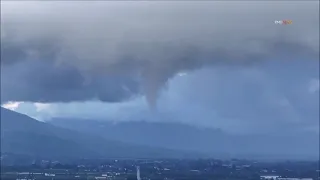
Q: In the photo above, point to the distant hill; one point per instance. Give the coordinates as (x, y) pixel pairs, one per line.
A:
(23, 135)
(211, 141)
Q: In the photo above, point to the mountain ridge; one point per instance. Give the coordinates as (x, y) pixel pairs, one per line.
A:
(21, 134)
(214, 142)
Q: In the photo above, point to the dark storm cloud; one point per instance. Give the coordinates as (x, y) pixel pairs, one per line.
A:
(53, 54)
(45, 82)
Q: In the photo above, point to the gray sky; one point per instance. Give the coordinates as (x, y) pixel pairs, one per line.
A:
(116, 60)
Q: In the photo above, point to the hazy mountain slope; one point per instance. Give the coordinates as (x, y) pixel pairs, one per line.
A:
(29, 143)
(215, 142)
(21, 134)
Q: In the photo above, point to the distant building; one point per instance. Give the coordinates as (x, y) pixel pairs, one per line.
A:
(280, 178)
(269, 177)
(100, 177)
(48, 174)
(294, 179)
(138, 173)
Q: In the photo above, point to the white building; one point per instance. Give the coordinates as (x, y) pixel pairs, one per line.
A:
(269, 177)
(280, 178)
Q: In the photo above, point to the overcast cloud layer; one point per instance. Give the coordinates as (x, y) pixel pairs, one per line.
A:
(75, 51)
(243, 72)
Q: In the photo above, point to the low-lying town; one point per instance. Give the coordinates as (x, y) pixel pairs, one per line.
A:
(163, 169)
